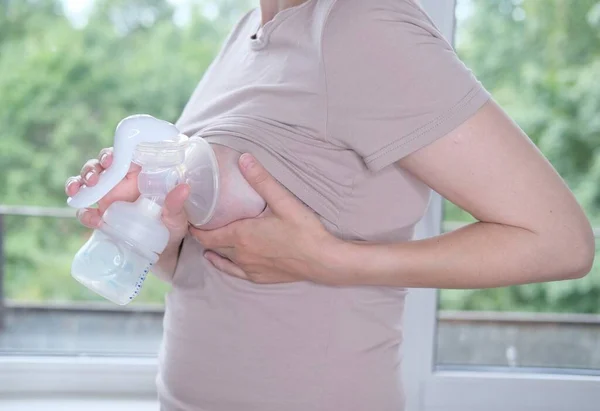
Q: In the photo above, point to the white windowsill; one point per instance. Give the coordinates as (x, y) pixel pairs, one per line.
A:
(78, 404)
(66, 377)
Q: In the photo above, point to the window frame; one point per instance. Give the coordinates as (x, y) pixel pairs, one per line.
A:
(428, 389)
(23, 375)
(44, 375)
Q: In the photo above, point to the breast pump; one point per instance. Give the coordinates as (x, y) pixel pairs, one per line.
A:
(117, 257)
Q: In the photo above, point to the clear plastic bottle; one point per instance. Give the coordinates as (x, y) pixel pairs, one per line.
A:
(115, 260)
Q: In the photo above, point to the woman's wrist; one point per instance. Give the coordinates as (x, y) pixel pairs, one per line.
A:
(340, 263)
(366, 264)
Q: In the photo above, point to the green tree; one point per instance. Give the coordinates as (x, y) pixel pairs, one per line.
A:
(62, 91)
(64, 87)
(540, 60)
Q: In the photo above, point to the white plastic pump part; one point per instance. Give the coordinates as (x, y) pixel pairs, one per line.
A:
(202, 175)
(115, 260)
(138, 223)
(130, 132)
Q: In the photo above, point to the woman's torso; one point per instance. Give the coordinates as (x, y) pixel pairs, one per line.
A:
(232, 345)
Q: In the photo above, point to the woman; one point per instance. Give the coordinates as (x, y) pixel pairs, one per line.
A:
(358, 108)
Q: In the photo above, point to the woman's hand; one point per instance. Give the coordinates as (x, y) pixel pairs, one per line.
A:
(173, 216)
(286, 243)
(126, 190)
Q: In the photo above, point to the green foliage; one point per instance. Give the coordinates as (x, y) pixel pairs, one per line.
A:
(64, 87)
(541, 61)
(62, 91)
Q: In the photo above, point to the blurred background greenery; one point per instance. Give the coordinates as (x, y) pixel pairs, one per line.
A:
(541, 61)
(70, 70)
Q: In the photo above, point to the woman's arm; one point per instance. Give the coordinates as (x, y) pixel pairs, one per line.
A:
(530, 227)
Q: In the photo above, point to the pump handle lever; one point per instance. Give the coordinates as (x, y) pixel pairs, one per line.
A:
(131, 131)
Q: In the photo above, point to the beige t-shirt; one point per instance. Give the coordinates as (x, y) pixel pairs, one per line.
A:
(328, 96)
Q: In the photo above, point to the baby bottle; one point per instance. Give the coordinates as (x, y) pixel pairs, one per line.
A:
(115, 260)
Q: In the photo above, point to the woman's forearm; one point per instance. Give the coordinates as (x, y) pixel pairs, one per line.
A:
(481, 255)
(530, 229)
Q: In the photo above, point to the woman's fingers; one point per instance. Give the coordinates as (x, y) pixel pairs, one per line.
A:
(89, 217)
(279, 200)
(173, 214)
(89, 176)
(90, 172)
(72, 185)
(105, 157)
(225, 265)
(175, 200)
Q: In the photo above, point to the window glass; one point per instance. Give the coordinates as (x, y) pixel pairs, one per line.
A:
(540, 60)
(69, 72)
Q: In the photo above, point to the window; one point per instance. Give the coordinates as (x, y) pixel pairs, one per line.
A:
(549, 88)
(69, 71)
(535, 346)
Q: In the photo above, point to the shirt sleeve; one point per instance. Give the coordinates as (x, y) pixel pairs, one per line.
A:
(394, 84)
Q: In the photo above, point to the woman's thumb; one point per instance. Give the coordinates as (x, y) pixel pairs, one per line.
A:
(278, 198)
(175, 200)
